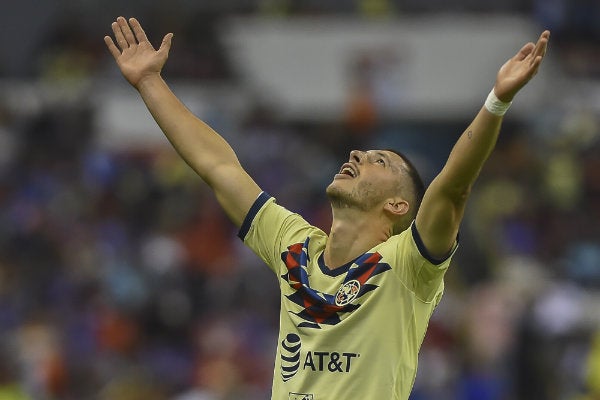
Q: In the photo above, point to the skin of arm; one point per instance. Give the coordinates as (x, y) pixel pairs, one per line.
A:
(203, 149)
(443, 205)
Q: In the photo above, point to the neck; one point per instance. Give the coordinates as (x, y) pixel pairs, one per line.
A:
(353, 232)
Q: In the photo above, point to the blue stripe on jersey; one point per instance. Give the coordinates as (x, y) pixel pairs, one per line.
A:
(262, 198)
(423, 250)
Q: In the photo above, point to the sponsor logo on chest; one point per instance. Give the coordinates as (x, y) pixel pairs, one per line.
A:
(294, 358)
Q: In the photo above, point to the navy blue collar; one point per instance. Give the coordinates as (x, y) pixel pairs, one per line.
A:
(333, 272)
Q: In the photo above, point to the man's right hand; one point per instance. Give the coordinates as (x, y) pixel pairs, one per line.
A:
(207, 152)
(136, 57)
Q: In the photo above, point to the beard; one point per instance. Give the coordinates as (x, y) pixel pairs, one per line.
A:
(363, 197)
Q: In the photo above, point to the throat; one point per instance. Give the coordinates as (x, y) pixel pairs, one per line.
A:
(352, 234)
(343, 249)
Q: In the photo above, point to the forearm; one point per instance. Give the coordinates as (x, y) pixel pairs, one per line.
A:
(444, 202)
(470, 152)
(202, 148)
(198, 144)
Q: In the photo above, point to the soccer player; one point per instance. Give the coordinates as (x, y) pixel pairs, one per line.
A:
(355, 303)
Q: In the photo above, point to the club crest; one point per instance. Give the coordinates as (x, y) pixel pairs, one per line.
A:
(347, 293)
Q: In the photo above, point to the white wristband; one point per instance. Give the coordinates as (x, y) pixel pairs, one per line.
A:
(495, 105)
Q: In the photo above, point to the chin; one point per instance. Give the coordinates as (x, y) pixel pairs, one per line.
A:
(331, 190)
(338, 197)
(335, 194)
(334, 190)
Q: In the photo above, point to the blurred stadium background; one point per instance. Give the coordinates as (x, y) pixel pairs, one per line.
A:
(121, 279)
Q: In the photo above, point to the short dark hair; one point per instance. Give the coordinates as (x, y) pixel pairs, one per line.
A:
(418, 191)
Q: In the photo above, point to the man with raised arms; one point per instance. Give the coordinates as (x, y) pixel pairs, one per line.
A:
(355, 303)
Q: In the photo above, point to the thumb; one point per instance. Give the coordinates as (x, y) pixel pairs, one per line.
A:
(165, 46)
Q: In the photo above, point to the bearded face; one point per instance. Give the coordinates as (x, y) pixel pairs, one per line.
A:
(365, 181)
(363, 195)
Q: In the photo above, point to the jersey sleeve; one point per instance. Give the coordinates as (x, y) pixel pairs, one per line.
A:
(269, 228)
(418, 271)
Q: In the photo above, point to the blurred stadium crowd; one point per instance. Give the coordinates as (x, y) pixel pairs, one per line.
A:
(121, 279)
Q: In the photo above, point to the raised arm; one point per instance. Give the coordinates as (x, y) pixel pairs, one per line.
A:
(444, 202)
(201, 147)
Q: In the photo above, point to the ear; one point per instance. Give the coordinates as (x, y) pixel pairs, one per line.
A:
(397, 207)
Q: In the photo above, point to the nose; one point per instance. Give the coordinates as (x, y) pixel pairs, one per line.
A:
(357, 156)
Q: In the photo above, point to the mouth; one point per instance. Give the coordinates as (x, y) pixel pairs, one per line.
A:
(348, 170)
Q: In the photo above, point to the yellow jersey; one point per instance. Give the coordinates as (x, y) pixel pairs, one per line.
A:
(353, 332)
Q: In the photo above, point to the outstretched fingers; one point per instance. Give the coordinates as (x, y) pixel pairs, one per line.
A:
(535, 65)
(119, 37)
(538, 53)
(127, 34)
(138, 31)
(524, 52)
(126, 30)
(112, 47)
(541, 46)
(530, 51)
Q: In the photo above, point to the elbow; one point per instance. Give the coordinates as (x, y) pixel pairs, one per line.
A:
(463, 193)
(457, 187)
(458, 194)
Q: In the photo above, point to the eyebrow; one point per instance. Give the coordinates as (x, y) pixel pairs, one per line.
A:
(382, 155)
(388, 160)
